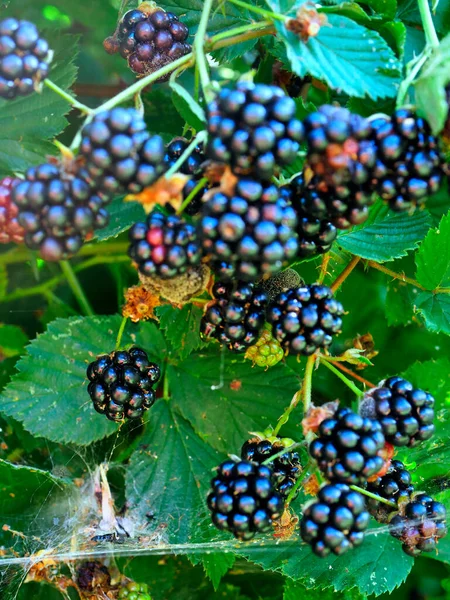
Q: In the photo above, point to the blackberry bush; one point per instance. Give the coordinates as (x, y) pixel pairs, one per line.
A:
(10, 229)
(24, 58)
(250, 233)
(236, 316)
(395, 486)
(253, 128)
(305, 319)
(164, 246)
(336, 521)
(243, 499)
(121, 384)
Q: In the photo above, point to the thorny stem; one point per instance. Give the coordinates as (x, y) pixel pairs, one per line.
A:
(203, 181)
(324, 266)
(267, 14)
(395, 275)
(427, 22)
(413, 69)
(250, 34)
(350, 372)
(283, 451)
(120, 332)
(76, 288)
(356, 488)
(199, 138)
(70, 99)
(345, 273)
(237, 31)
(199, 51)
(342, 377)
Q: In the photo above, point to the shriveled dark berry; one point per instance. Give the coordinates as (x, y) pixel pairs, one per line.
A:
(405, 413)
(93, 575)
(10, 229)
(250, 233)
(164, 246)
(120, 154)
(253, 128)
(236, 317)
(121, 383)
(395, 486)
(348, 446)
(286, 468)
(420, 526)
(58, 209)
(24, 58)
(305, 318)
(336, 521)
(243, 499)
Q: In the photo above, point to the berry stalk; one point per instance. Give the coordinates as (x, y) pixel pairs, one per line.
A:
(283, 452)
(200, 185)
(345, 273)
(364, 492)
(199, 138)
(307, 382)
(76, 288)
(199, 51)
(120, 332)
(268, 14)
(340, 366)
(427, 22)
(70, 99)
(341, 376)
(298, 483)
(236, 31)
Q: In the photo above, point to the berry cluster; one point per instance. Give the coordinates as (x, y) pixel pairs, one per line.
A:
(121, 384)
(164, 246)
(236, 316)
(10, 229)
(134, 591)
(266, 352)
(149, 38)
(395, 487)
(243, 499)
(24, 58)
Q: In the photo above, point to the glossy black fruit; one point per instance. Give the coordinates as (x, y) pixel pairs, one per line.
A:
(395, 486)
(243, 499)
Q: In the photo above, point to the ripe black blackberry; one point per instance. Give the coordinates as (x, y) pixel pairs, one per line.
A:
(236, 316)
(243, 499)
(305, 318)
(193, 167)
(315, 236)
(409, 164)
(164, 246)
(252, 128)
(347, 448)
(421, 525)
(406, 414)
(250, 233)
(10, 229)
(286, 468)
(120, 154)
(121, 384)
(24, 58)
(395, 486)
(58, 209)
(150, 39)
(336, 521)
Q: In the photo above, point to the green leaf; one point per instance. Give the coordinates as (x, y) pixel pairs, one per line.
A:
(224, 16)
(433, 257)
(386, 8)
(400, 300)
(12, 340)
(189, 109)
(394, 32)
(3, 281)
(434, 309)
(181, 327)
(27, 122)
(48, 395)
(170, 475)
(217, 565)
(284, 7)
(346, 56)
(386, 235)
(122, 216)
(294, 590)
(225, 399)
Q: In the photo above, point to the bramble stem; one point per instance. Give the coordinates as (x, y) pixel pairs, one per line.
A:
(199, 51)
(342, 377)
(356, 488)
(203, 181)
(324, 267)
(340, 366)
(283, 451)
(394, 275)
(120, 332)
(412, 68)
(199, 138)
(267, 14)
(66, 96)
(237, 31)
(427, 22)
(307, 382)
(298, 483)
(250, 33)
(345, 273)
(76, 288)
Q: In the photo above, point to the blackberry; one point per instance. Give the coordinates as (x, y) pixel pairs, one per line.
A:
(151, 40)
(193, 167)
(58, 209)
(120, 154)
(164, 246)
(121, 384)
(395, 486)
(266, 352)
(406, 414)
(249, 233)
(134, 591)
(252, 128)
(10, 230)
(243, 499)
(286, 468)
(315, 236)
(305, 318)
(421, 526)
(336, 521)
(24, 58)
(347, 447)
(409, 164)
(92, 575)
(236, 316)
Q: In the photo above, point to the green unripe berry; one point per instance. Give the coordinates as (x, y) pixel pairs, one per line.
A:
(135, 591)
(267, 352)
